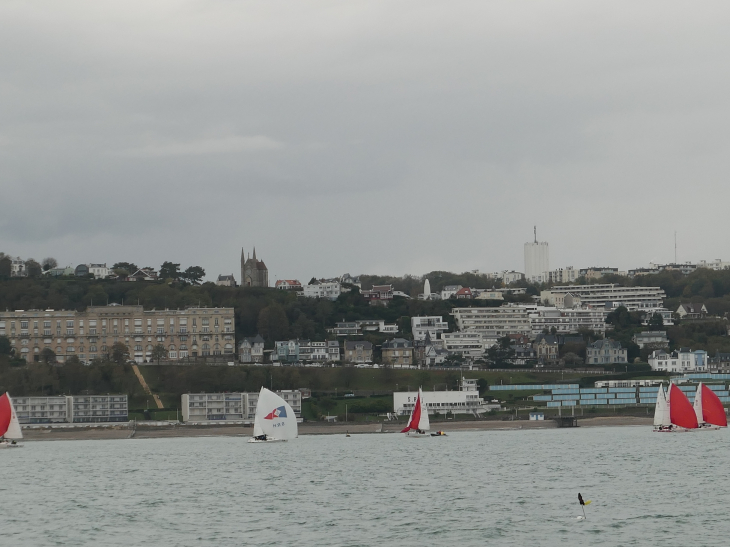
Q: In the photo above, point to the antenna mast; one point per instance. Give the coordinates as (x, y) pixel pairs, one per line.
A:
(675, 246)
(535, 227)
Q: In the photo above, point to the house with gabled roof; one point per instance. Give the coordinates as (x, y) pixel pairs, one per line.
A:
(692, 311)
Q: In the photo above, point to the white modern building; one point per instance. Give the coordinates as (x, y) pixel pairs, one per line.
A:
(684, 360)
(646, 338)
(72, 409)
(322, 290)
(464, 401)
(433, 325)
(470, 344)
(100, 271)
(561, 275)
(493, 323)
(537, 260)
(566, 321)
(608, 295)
(450, 290)
(213, 407)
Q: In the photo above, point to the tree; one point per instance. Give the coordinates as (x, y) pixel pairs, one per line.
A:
(119, 353)
(313, 281)
(572, 359)
(272, 323)
(33, 268)
(49, 263)
(48, 356)
(158, 352)
(656, 320)
(6, 266)
(169, 270)
(124, 269)
(193, 274)
(482, 384)
(5, 346)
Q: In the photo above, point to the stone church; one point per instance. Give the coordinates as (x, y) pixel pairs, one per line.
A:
(254, 273)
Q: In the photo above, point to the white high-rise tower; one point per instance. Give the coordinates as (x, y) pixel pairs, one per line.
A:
(537, 259)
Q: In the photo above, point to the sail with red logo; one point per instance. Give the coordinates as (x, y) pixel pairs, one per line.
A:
(418, 424)
(9, 425)
(681, 412)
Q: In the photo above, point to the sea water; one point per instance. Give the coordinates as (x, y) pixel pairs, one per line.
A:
(500, 488)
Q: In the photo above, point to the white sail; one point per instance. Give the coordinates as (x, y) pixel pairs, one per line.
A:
(13, 431)
(274, 417)
(423, 423)
(698, 404)
(661, 410)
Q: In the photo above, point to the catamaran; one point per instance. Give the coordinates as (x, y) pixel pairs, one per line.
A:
(418, 424)
(274, 420)
(674, 413)
(708, 409)
(9, 425)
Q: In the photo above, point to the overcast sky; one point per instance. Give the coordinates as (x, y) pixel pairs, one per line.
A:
(364, 137)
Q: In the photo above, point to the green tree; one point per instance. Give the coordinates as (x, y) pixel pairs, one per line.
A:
(193, 275)
(5, 346)
(158, 353)
(33, 268)
(656, 320)
(6, 266)
(169, 270)
(272, 323)
(119, 353)
(49, 263)
(124, 269)
(48, 356)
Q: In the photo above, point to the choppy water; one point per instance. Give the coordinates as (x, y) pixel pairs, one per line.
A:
(473, 488)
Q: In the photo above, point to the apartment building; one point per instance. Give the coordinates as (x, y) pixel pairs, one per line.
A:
(398, 353)
(210, 407)
(431, 325)
(358, 351)
(682, 360)
(493, 323)
(566, 320)
(72, 409)
(608, 295)
(330, 291)
(191, 332)
(471, 344)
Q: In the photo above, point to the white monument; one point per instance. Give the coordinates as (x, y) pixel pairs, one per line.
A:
(427, 290)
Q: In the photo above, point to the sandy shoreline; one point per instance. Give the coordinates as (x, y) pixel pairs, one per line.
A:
(143, 431)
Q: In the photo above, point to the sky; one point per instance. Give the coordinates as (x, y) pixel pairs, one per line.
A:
(369, 137)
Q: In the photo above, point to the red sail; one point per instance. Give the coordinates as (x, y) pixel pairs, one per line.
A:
(681, 412)
(415, 417)
(712, 409)
(5, 413)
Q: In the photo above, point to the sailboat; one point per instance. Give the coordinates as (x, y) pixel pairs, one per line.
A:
(708, 409)
(662, 422)
(418, 424)
(274, 420)
(682, 415)
(9, 425)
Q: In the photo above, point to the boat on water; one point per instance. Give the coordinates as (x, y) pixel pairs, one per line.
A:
(418, 425)
(10, 431)
(674, 413)
(439, 434)
(708, 409)
(274, 420)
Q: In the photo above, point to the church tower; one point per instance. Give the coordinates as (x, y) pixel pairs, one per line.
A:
(254, 273)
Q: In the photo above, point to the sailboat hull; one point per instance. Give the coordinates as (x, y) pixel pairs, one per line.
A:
(7, 444)
(415, 435)
(252, 440)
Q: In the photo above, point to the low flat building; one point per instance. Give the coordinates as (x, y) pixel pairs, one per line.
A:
(464, 401)
(238, 406)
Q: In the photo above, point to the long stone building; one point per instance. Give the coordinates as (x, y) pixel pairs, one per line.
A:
(192, 332)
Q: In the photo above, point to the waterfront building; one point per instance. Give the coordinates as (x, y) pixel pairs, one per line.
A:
(192, 332)
(237, 406)
(464, 401)
(72, 409)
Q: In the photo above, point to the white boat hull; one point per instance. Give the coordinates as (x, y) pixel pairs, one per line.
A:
(252, 440)
(414, 435)
(6, 444)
